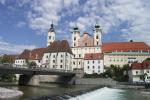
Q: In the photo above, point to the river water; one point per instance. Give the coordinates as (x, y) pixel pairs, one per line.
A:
(103, 93)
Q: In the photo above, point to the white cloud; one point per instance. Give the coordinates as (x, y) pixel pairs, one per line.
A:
(10, 48)
(2, 2)
(45, 11)
(111, 14)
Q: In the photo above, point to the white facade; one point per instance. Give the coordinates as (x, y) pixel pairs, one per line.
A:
(20, 63)
(135, 74)
(23, 63)
(93, 66)
(75, 37)
(59, 60)
(79, 52)
(97, 36)
(121, 58)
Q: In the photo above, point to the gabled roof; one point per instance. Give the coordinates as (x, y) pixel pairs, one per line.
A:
(124, 46)
(59, 46)
(93, 56)
(35, 54)
(144, 65)
(24, 54)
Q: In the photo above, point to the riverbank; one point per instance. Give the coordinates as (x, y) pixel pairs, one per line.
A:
(7, 93)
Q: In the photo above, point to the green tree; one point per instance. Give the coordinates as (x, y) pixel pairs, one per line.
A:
(147, 59)
(32, 64)
(7, 77)
(7, 59)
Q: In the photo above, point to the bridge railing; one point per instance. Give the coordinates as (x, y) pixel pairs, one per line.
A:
(12, 66)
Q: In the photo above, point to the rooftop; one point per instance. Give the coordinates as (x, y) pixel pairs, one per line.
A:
(124, 46)
(93, 56)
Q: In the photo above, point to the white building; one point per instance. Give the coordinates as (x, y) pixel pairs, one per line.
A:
(28, 56)
(93, 63)
(121, 53)
(58, 56)
(139, 69)
(83, 44)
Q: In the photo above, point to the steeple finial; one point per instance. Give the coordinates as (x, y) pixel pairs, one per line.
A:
(52, 27)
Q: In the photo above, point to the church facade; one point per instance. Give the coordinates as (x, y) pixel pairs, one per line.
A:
(84, 44)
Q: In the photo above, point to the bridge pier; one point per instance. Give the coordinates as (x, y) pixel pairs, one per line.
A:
(29, 80)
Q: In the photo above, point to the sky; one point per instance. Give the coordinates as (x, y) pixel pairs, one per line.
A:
(24, 24)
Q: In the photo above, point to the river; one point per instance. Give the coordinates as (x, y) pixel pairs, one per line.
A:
(104, 93)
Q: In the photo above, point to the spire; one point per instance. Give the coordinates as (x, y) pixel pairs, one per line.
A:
(76, 29)
(97, 26)
(52, 27)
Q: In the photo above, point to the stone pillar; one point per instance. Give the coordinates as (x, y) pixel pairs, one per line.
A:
(29, 80)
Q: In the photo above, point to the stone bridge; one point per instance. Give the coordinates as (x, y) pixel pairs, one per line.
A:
(30, 76)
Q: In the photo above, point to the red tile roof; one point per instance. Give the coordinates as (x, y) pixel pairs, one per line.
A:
(144, 65)
(125, 46)
(59, 46)
(93, 56)
(32, 54)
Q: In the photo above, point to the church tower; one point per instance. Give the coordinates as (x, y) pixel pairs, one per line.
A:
(51, 35)
(75, 37)
(97, 35)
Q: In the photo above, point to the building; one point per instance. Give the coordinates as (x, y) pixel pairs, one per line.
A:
(121, 53)
(51, 35)
(27, 56)
(86, 43)
(138, 70)
(93, 63)
(58, 56)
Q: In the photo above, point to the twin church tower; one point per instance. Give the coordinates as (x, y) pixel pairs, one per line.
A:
(85, 39)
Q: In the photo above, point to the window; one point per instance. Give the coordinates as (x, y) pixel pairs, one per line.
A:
(79, 55)
(147, 71)
(74, 38)
(74, 63)
(53, 56)
(97, 43)
(49, 37)
(61, 56)
(47, 56)
(88, 62)
(136, 72)
(96, 37)
(88, 67)
(93, 67)
(98, 67)
(61, 61)
(74, 44)
(79, 63)
(39, 61)
(53, 66)
(53, 61)
(98, 61)
(85, 44)
(93, 61)
(60, 66)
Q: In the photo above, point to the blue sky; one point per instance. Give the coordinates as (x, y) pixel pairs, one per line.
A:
(24, 23)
